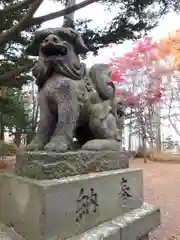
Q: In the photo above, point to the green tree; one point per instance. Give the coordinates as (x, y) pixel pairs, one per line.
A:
(12, 58)
(14, 115)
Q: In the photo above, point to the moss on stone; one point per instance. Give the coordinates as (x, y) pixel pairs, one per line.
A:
(42, 165)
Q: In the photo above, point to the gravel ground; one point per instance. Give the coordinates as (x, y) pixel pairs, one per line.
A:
(162, 187)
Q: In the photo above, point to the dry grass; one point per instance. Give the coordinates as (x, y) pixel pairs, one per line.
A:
(164, 156)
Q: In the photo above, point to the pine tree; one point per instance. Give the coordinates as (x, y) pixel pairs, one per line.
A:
(135, 18)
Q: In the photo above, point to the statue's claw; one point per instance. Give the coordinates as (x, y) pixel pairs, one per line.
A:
(57, 145)
(118, 136)
(35, 145)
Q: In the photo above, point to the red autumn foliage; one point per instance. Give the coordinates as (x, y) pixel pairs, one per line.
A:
(140, 60)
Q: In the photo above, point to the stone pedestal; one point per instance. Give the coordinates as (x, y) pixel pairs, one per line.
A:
(68, 206)
(50, 165)
(94, 206)
(130, 226)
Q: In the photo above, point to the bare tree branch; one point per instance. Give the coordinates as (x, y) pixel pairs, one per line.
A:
(16, 6)
(61, 13)
(6, 35)
(28, 21)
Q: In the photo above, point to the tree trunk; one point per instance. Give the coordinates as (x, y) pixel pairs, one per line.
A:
(143, 134)
(130, 136)
(150, 126)
(130, 133)
(17, 138)
(30, 136)
(144, 147)
(1, 127)
(121, 127)
(70, 16)
(158, 128)
(2, 94)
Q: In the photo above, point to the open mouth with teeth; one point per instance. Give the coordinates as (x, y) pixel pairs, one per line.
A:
(57, 50)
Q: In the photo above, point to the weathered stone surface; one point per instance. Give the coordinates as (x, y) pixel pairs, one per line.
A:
(141, 222)
(50, 165)
(102, 144)
(21, 205)
(145, 237)
(69, 206)
(130, 226)
(106, 230)
(8, 233)
(61, 201)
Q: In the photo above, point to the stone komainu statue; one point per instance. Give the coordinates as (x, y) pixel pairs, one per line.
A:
(73, 103)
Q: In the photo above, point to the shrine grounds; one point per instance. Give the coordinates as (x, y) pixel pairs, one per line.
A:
(162, 188)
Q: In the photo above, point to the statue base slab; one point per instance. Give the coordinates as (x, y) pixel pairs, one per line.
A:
(147, 216)
(49, 165)
(133, 225)
(125, 227)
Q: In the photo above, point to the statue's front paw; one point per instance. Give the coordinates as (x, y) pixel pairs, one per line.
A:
(56, 146)
(118, 135)
(35, 145)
